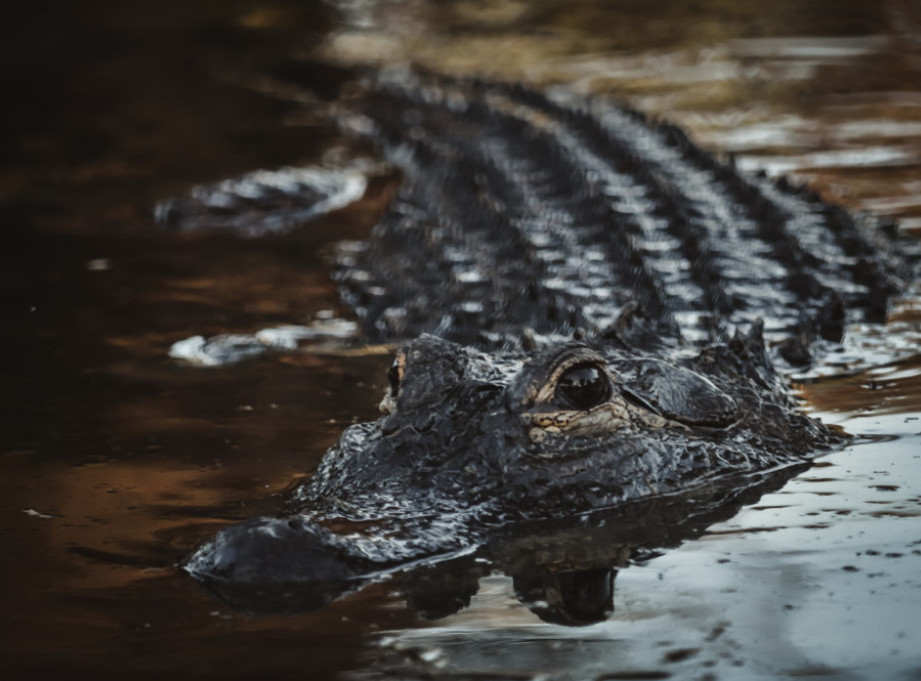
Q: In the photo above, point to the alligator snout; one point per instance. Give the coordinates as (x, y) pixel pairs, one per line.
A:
(275, 564)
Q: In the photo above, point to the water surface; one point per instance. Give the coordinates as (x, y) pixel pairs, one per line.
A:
(117, 460)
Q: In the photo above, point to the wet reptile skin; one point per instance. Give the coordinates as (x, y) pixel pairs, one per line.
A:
(591, 310)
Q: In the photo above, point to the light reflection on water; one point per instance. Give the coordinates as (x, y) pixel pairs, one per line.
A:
(789, 88)
(820, 578)
(120, 462)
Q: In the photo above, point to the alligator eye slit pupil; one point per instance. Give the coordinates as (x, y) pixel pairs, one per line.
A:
(583, 386)
(393, 375)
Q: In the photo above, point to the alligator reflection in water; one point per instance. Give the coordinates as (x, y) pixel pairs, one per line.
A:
(563, 570)
(597, 270)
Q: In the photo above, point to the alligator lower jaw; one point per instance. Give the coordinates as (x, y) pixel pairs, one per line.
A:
(288, 565)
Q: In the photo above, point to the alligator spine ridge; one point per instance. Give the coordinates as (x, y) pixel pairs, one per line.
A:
(519, 211)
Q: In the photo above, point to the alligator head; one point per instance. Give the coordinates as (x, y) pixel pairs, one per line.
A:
(469, 442)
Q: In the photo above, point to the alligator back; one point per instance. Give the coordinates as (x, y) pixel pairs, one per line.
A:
(521, 211)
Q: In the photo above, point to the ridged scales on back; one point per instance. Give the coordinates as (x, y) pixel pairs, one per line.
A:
(586, 297)
(521, 212)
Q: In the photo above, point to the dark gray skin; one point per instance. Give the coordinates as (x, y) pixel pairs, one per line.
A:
(585, 290)
(459, 455)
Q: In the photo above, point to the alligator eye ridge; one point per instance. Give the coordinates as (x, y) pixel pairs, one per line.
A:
(583, 387)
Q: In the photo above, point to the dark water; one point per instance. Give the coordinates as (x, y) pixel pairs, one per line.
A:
(116, 460)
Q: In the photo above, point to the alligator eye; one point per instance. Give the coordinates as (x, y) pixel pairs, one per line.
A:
(583, 386)
(395, 376)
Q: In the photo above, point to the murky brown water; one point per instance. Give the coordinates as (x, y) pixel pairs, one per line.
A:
(115, 460)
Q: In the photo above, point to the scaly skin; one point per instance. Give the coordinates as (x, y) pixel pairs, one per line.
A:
(586, 293)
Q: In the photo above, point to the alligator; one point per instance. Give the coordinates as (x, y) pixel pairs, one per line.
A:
(591, 311)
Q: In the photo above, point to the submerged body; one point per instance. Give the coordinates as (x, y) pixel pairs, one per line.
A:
(597, 308)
